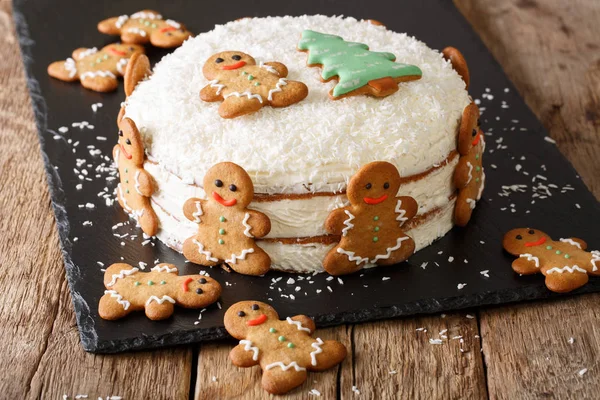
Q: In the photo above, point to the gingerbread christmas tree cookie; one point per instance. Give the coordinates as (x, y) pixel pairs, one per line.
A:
(245, 87)
(469, 176)
(565, 263)
(146, 26)
(226, 227)
(97, 70)
(157, 292)
(136, 184)
(357, 69)
(371, 226)
(285, 350)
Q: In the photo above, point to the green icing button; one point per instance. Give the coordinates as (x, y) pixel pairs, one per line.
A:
(272, 330)
(281, 338)
(376, 218)
(221, 231)
(567, 256)
(375, 238)
(163, 282)
(136, 283)
(221, 241)
(150, 283)
(548, 247)
(222, 218)
(291, 345)
(376, 229)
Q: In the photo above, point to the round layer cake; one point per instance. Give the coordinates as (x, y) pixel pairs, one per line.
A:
(301, 157)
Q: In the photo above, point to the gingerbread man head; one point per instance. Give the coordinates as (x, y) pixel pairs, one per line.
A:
(469, 133)
(130, 142)
(226, 61)
(169, 36)
(123, 49)
(378, 183)
(243, 316)
(229, 185)
(519, 241)
(193, 291)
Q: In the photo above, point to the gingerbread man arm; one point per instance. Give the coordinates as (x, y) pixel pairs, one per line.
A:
(281, 69)
(581, 242)
(77, 52)
(260, 223)
(114, 152)
(334, 224)
(144, 183)
(242, 358)
(193, 209)
(526, 265)
(410, 207)
(461, 173)
(109, 26)
(305, 321)
(63, 70)
(211, 93)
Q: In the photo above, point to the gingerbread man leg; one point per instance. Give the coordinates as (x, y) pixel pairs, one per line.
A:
(290, 93)
(234, 106)
(257, 262)
(63, 70)
(332, 353)
(566, 281)
(148, 220)
(406, 247)
(526, 265)
(276, 380)
(464, 209)
(113, 306)
(339, 264)
(194, 251)
(99, 81)
(158, 309)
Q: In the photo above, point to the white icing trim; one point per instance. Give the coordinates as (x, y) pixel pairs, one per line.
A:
(571, 242)
(350, 254)
(595, 258)
(119, 298)
(248, 347)
(206, 253)
(122, 274)
(401, 213)
(571, 270)
(122, 64)
(174, 24)
(268, 68)
(146, 15)
(196, 214)
(87, 52)
(482, 184)
(389, 250)
(136, 213)
(531, 257)
(298, 325)
(163, 268)
(245, 94)
(136, 179)
(137, 31)
(117, 154)
(161, 300)
(71, 67)
(470, 172)
(215, 84)
(94, 74)
(285, 367)
(472, 203)
(247, 226)
(318, 350)
(281, 82)
(121, 21)
(348, 223)
(242, 256)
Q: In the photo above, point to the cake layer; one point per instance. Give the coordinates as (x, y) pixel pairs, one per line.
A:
(304, 215)
(315, 145)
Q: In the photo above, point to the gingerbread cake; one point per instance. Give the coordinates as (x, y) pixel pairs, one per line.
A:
(301, 157)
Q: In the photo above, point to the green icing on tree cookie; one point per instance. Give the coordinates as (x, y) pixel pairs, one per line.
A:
(351, 62)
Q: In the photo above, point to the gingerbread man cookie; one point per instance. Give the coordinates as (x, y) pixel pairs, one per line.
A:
(469, 176)
(137, 70)
(564, 263)
(371, 226)
(357, 69)
(226, 227)
(245, 87)
(136, 184)
(146, 26)
(284, 350)
(128, 289)
(458, 63)
(96, 69)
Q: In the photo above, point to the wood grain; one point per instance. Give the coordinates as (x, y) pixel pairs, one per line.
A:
(550, 50)
(41, 356)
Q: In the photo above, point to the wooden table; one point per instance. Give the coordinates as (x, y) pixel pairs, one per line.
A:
(550, 50)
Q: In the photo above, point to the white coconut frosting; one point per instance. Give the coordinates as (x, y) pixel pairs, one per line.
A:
(316, 144)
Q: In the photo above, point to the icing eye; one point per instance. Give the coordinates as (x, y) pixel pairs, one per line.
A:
(232, 187)
(219, 183)
(254, 307)
(519, 237)
(199, 291)
(219, 60)
(368, 186)
(236, 57)
(386, 185)
(202, 280)
(531, 232)
(131, 48)
(128, 141)
(120, 133)
(474, 132)
(241, 314)
(169, 34)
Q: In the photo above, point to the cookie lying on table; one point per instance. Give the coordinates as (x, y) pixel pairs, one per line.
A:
(285, 350)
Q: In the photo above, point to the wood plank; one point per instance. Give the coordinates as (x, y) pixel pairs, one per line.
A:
(41, 354)
(217, 378)
(550, 51)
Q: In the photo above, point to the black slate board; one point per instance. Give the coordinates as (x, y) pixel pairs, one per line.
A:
(51, 29)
